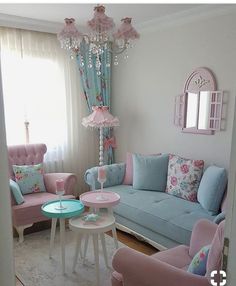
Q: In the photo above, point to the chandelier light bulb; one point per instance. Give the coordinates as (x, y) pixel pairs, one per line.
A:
(102, 38)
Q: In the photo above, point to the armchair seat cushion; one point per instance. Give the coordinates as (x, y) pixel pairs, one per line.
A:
(178, 256)
(30, 211)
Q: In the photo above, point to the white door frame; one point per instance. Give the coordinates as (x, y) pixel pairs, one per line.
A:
(230, 227)
(7, 276)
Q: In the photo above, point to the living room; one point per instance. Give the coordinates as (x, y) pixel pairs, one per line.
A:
(175, 46)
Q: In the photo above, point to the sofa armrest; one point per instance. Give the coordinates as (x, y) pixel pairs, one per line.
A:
(219, 218)
(114, 173)
(69, 182)
(202, 235)
(139, 269)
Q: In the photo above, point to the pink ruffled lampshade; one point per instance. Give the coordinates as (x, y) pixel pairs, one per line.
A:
(101, 22)
(126, 30)
(69, 31)
(100, 117)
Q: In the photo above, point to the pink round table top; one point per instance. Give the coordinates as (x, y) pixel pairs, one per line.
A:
(98, 199)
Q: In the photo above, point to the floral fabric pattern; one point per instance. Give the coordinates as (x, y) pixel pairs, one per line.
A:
(29, 178)
(199, 262)
(184, 176)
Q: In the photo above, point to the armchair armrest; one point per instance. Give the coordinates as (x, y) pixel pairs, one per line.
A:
(202, 235)
(69, 181)
(114, 173)
(139, 269)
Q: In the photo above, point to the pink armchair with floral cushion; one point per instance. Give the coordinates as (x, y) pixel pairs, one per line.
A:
(29, 212)
(169, 267)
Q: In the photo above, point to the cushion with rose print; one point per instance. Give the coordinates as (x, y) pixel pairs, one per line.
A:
(199, 261)
(29, 178)
(184, 176)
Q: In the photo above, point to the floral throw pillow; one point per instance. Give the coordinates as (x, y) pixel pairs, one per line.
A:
(29, 178)
(184, 176)
(199, 262)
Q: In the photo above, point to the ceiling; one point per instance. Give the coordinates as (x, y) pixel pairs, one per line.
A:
(82, 12)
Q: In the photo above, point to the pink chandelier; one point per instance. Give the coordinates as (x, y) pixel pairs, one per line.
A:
(102, 37)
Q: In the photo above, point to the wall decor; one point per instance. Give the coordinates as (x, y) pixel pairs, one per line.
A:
(199, 109)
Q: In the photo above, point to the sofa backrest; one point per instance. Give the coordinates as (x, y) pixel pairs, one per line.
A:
(29, 154)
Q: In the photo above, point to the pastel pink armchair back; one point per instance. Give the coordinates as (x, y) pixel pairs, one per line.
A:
(169, 267)
(29, 212)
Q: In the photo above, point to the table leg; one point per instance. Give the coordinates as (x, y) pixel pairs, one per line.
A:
(96, 255)
(115, 236)
(53, 231)
(62, 240)
(102, 236)
(77, 249)
(85, 247)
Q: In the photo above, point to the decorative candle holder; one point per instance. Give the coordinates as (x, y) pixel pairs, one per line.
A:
(101, 179)
(60, 191)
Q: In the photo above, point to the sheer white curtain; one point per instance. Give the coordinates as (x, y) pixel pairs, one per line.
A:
(41, 85)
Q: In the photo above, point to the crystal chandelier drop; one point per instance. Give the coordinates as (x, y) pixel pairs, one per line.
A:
(102, 38)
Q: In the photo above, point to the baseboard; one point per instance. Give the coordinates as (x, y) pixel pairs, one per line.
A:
(140, 237)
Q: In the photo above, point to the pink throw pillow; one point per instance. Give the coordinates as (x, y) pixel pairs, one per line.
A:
(128, 179)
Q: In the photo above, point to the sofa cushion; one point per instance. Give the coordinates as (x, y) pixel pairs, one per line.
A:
(150, 172)
(128, 178)
(199, 262)
(211, 189)
(160, 212)
(184, 177)
(32, 206)
(29, 178)
(15, 189)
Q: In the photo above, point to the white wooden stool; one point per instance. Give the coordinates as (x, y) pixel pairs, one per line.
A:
(105, 223)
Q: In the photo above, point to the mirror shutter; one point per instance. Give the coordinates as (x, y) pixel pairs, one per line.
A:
(215, 110)
(179, 110)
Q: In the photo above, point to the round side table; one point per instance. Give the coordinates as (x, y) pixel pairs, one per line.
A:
(104, 223)
(50, 209)
(93, 200)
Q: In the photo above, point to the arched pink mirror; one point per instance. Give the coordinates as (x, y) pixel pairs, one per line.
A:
(198, 110)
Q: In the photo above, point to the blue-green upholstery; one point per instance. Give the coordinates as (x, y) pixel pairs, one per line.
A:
(114, 173)
(161, 217)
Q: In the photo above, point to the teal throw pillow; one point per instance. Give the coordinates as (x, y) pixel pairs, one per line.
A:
(211, 189)
(29, 178)
(15, 189)
(150, 172)
(199, 262)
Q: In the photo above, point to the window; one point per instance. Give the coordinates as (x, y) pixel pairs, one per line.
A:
(33, 89)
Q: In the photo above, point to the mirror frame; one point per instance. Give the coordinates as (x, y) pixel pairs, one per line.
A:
(201, 79)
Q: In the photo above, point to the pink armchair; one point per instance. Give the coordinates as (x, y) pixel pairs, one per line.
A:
(29, 212)
(168, 268)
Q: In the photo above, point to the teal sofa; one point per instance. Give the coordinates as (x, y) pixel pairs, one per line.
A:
(157, 217)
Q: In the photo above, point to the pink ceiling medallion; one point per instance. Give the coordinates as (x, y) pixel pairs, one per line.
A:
(101, 37)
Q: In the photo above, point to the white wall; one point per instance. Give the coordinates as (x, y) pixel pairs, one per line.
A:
(6, 237)
(145, 86)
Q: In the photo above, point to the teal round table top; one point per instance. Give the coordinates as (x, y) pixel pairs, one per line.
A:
(72, 208)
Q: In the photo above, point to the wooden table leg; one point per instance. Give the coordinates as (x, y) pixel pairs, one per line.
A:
(77, 249)
(53, 231)
(85, 247)
(102, 236)
(62, 240)
(115, 236)
(96, 255)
